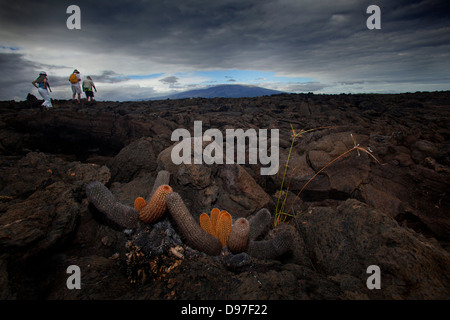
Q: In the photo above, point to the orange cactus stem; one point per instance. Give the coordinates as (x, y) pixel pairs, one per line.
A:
(223, 227)
(156, 207)
(215, 213)
(218, 225)
(206, 224)
(139, 203)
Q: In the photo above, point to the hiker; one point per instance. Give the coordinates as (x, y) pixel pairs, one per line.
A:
(88, 84)
(75, 80)
(41, 83)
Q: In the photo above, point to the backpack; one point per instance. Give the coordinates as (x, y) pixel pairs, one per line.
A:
(73, 78)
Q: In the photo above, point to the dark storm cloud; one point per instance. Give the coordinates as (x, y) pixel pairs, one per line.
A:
(326, 38)
(17, 75)
(14, 77)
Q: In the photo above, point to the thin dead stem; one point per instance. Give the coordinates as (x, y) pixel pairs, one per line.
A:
(356, 147)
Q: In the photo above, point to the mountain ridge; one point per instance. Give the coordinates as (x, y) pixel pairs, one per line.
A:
(222, 91)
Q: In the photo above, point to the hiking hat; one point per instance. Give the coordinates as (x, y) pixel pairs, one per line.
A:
(43, 73)
(76, 71)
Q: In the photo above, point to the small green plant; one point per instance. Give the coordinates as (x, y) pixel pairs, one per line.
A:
(280, 213)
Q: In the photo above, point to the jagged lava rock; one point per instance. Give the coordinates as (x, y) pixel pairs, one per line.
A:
(408, 133)
(44, 202)
(229, 187)
(348, 239)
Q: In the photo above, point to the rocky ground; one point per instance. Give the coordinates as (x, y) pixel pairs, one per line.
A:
(354, 214)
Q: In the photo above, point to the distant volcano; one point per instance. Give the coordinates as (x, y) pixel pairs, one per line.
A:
(223, 91)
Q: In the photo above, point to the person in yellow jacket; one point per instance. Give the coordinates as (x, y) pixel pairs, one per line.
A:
(75, 80)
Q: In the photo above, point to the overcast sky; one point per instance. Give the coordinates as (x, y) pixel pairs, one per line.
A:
(141, 49)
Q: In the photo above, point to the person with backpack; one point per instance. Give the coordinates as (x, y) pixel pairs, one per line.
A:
(88, 84)
(42, 84)
(75, 80)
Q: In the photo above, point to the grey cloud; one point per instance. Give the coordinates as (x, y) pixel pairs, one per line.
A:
(305, 87)
(169, 80)
(17, 75)
(127, 92)
(326, 38)
(230, 79)
(172, 81)
(109, 76)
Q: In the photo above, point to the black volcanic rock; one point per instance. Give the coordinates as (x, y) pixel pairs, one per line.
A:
(354, 213)
(31, 98)
(344, 241)
(136, 158)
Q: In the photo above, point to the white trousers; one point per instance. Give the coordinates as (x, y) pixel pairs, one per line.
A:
(47, 101)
